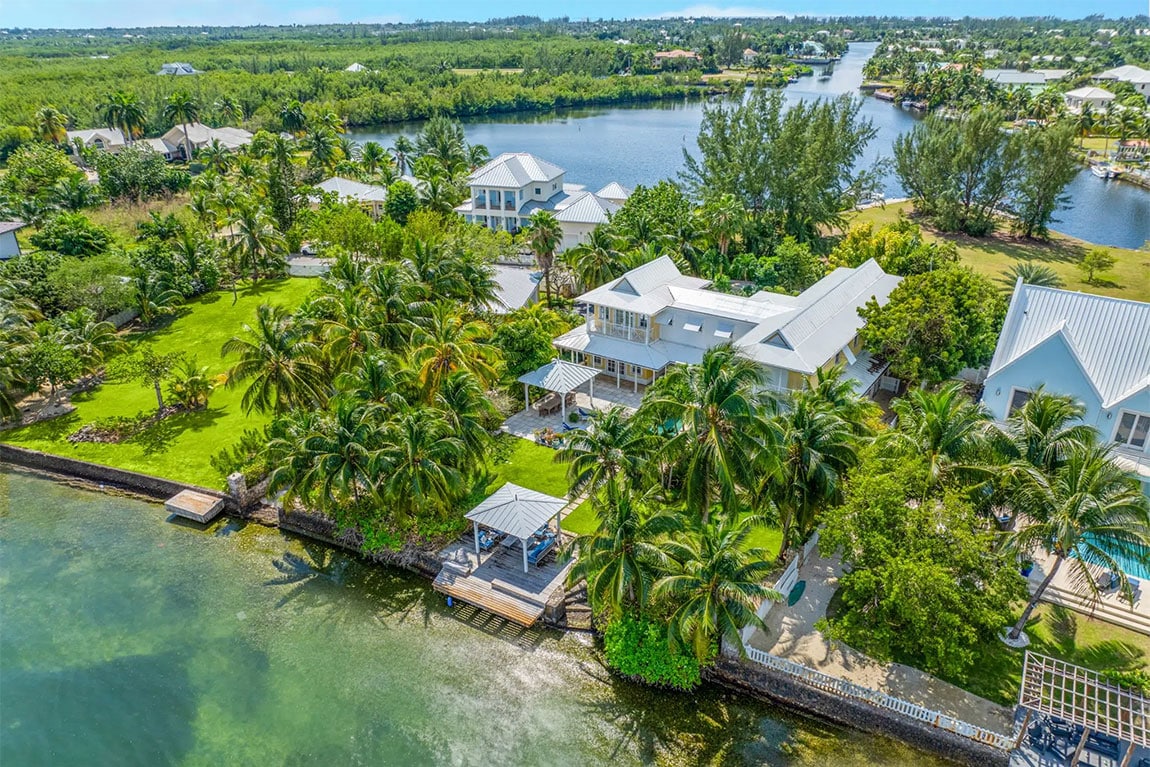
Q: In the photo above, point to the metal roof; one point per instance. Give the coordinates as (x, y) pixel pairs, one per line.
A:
(356, 190)
(654, 356)
(586, 208)
(614, 191)
(1089, 92)
(11, 226)
(516, 287)
(1110, 337)
(516, 510)
(560, 376)
(515, 169)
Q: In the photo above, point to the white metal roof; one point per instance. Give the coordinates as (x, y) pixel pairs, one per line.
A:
(1110, 337)
(110, 136)
(348, 188)
(1090, 92)
(559, 376)
(516, 510)
(516, 287)
(514, 169)
(11, 226)
(586, 208)
(654, 356)
(1128, 72)
(615, 192)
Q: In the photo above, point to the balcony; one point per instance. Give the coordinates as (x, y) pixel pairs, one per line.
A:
(625, 332)
(509, 205)
(480, 202)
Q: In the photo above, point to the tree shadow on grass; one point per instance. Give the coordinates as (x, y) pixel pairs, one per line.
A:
(158, 438)
(1063, 625)
(55, 429)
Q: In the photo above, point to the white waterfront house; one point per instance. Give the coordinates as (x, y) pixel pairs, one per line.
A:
(509, 188)
(654, 316)
(1098, 99)
(170, 145)
(1136, 76)
(370, 197)
(1093, 348)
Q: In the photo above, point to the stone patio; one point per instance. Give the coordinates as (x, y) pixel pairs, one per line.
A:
(526, 422)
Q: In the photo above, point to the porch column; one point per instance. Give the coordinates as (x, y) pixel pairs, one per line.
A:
(618, 374)
(636, 381)
(563, 406)
(475, 528)
(526, 397)
(524, 540)
(592, 394)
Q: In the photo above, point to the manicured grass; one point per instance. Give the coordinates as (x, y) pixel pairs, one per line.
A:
(582, 521)
(993, 256)
(765, 537)
(1059, 633)
(181, 446)
(529, 465)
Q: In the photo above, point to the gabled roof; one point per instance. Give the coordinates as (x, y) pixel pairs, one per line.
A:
(355, 190)
(110, 136)
(11, 226)
(1090, 92)
(356, 67)
(516, 288)
(515, 169)
(586, 208)
(1109, 337)
(645, 278)
(1129, 73)
(559, 376)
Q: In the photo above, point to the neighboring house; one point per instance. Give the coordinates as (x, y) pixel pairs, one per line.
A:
(369, 196)
(356, 67)
(1136, 76)
(662, 57)
(1097, 99)
(9, 247)
(200, 135)
(1093, 348)
(177, 68)
(511, 187)
(104, 139)
(654, 316)
(518, 287)
(1034, 79)
(749, 56)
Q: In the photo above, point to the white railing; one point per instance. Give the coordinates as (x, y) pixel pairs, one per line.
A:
(626, 332)
(846, 689)
(785, 582)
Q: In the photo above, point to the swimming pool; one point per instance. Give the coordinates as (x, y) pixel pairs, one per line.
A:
(1134, 566)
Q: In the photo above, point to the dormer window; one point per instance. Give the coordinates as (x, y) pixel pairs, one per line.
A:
(776, 339)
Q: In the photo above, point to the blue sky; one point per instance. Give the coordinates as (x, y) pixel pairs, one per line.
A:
(124, 13)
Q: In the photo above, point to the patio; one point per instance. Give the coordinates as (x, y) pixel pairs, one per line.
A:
(526, 422)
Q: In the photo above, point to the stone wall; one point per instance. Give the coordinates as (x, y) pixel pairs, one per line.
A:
(410, 557)
(792, 693)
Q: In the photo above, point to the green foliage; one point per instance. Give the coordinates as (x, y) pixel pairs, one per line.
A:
(794, 266)
(525, 345)
(1095, 261)
(1031, 273)
(48, 360)
(189, 384)
(148, 368)
(935, 324)
(401, 201)
(247, 455)
(97, 283)
(72, 234)
(33, 169)
(923, 586)
(899, 248)
(651, 211)
(1132, 679)
(12, 137)
(1046, 165)
(638, 647)
(136, 173)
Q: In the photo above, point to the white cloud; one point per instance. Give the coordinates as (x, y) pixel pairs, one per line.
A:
(719, 12)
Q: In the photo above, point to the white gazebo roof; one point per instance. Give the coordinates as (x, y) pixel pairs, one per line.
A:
(517, 511)
(560, 376)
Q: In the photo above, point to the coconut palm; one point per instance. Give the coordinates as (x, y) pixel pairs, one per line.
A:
(51, 124)
(723, 217)
(596, 260)
(623, 556)
(90, 339)
(324, 147)
(1031, 273)
(447, 342)
(945, 427)
(340, 452)
(716, 584)
(292, 117)
(257, 245)
(216, 156)
(180, 108)
(612, 448)
(416, 464)
(229, 110)
(402, 151)
(154, 299)
(372, 156)
(279, 362)
(467, 409)
(349, 328)
(442, 140)
(1084, 123)
(75, 193)
(722, 440)
(544, 235)
(1088, 514)
(833, 388)
(399, 299)
(123, 111)
(1044, 430)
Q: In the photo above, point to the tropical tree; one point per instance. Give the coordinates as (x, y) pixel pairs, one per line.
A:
(1088, 514)
(467, 411)
(372, 156)
(402, 152)
(180, 108)
(716, 584)
(723, 216)
(256, 243)
(292, 117)
(945, 427)
(51, 124)
(1042, 432)
(154, 299)
(279, 361)
(597, 260)
(340, 453)
(447, 342)
(417, 464)
(612, 448)
(544, 235)
(123, 111)
(1031, 273)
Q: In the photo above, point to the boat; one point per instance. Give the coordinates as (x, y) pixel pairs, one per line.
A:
(1104, 170)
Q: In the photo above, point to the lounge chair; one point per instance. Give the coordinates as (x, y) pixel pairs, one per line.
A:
(487, 539)
(536, 555)
(584, 412)
(567, 427)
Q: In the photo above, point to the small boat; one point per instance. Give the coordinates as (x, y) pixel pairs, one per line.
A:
(1104, 170)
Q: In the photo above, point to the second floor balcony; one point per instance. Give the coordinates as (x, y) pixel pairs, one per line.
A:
(626, 332)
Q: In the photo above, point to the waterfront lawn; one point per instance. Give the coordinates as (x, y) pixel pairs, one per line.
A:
(180, 447)
(993, 256)
(527, 464)
(1063, 634)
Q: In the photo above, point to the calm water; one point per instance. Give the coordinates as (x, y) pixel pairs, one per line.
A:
(129, 640)
(644, 144)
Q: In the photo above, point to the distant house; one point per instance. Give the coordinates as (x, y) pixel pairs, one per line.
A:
(103, 139)
(177, 68)
(369, 196)
(1136, 76)
(200, 136)
(356, 67)
(9, 247)
(749, 56)
(654, 316)
(1097, 99)
(1093, 348)
(677, 55)
(517, 287)
(1034, 79)
(510, 188)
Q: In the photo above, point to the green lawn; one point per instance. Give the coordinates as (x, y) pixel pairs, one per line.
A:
(180, 447)
(994, 255)
(1059, 633)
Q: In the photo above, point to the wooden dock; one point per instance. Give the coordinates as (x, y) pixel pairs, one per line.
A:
(195, 505)
(498, 584)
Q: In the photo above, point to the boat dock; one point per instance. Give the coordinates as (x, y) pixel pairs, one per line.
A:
(495, 581)
(195, 505)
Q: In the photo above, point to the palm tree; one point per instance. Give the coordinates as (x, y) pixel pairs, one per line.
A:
(324, 147)
(292, 117)
(834, 389)
(51, 124)
(181, 108)
(447, 343)
(1031, 273)
(75, 193)
(622, 557)
(722, 438)
(467, 409)
(417, 464)
(372, 156)
(596, 260)
(945, 427)
(349, 330)
(399, 298)
(216, 156)
(723, 216)
(1044, 431)
(279, 362)
(544, 235)
(612, 448)
(1089, 514)
(229, 110)
(402, 151)
(123, 111)
(716, 584)
(818, 448)
(442, 140)
(1105, 123)
(257, 245)
(154, 298)
(340, 453)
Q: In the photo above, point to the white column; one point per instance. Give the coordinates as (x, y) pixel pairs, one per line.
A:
(475, 527)
(592, 395)
(559, 526)
(524, 554)
(563, 406)
(526, 397)
(636, 380)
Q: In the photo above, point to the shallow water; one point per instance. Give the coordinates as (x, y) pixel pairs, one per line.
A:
(642, 144)
(126, 639)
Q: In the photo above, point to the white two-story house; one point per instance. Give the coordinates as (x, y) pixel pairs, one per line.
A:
(1093, 348)
(511, 187)
(655, 316)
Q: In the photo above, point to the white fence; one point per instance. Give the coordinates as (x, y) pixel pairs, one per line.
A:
(786, 581)
(853, 691)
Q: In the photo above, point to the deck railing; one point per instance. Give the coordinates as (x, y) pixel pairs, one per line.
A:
(626, 332)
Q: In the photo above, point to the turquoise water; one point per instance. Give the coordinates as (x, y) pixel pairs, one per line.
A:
(129, 640)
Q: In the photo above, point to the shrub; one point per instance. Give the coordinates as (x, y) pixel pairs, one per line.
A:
(248, 455)
(638, 647)
(72, 234)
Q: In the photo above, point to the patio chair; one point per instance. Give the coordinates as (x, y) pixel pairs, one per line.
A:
(584, 412)
(487, 540)
(540, 551)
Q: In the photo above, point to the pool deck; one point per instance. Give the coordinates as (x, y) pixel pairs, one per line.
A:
(1110, 607)
(195, 505)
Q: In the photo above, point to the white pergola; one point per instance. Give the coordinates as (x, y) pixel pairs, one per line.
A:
(561, 377)
(518, 512)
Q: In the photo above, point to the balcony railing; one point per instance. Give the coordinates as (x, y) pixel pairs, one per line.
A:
(627, 333)
(480, 202)
(509, 205)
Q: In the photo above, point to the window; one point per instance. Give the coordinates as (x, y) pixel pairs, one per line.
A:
(693, 324)
(603, 312)
(598, 361)
(642, 321)
(520, 194)
(1018, 398)
(538, 190)
(1133, 429)
(554, 187)
(724, 330)
(610, 366)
